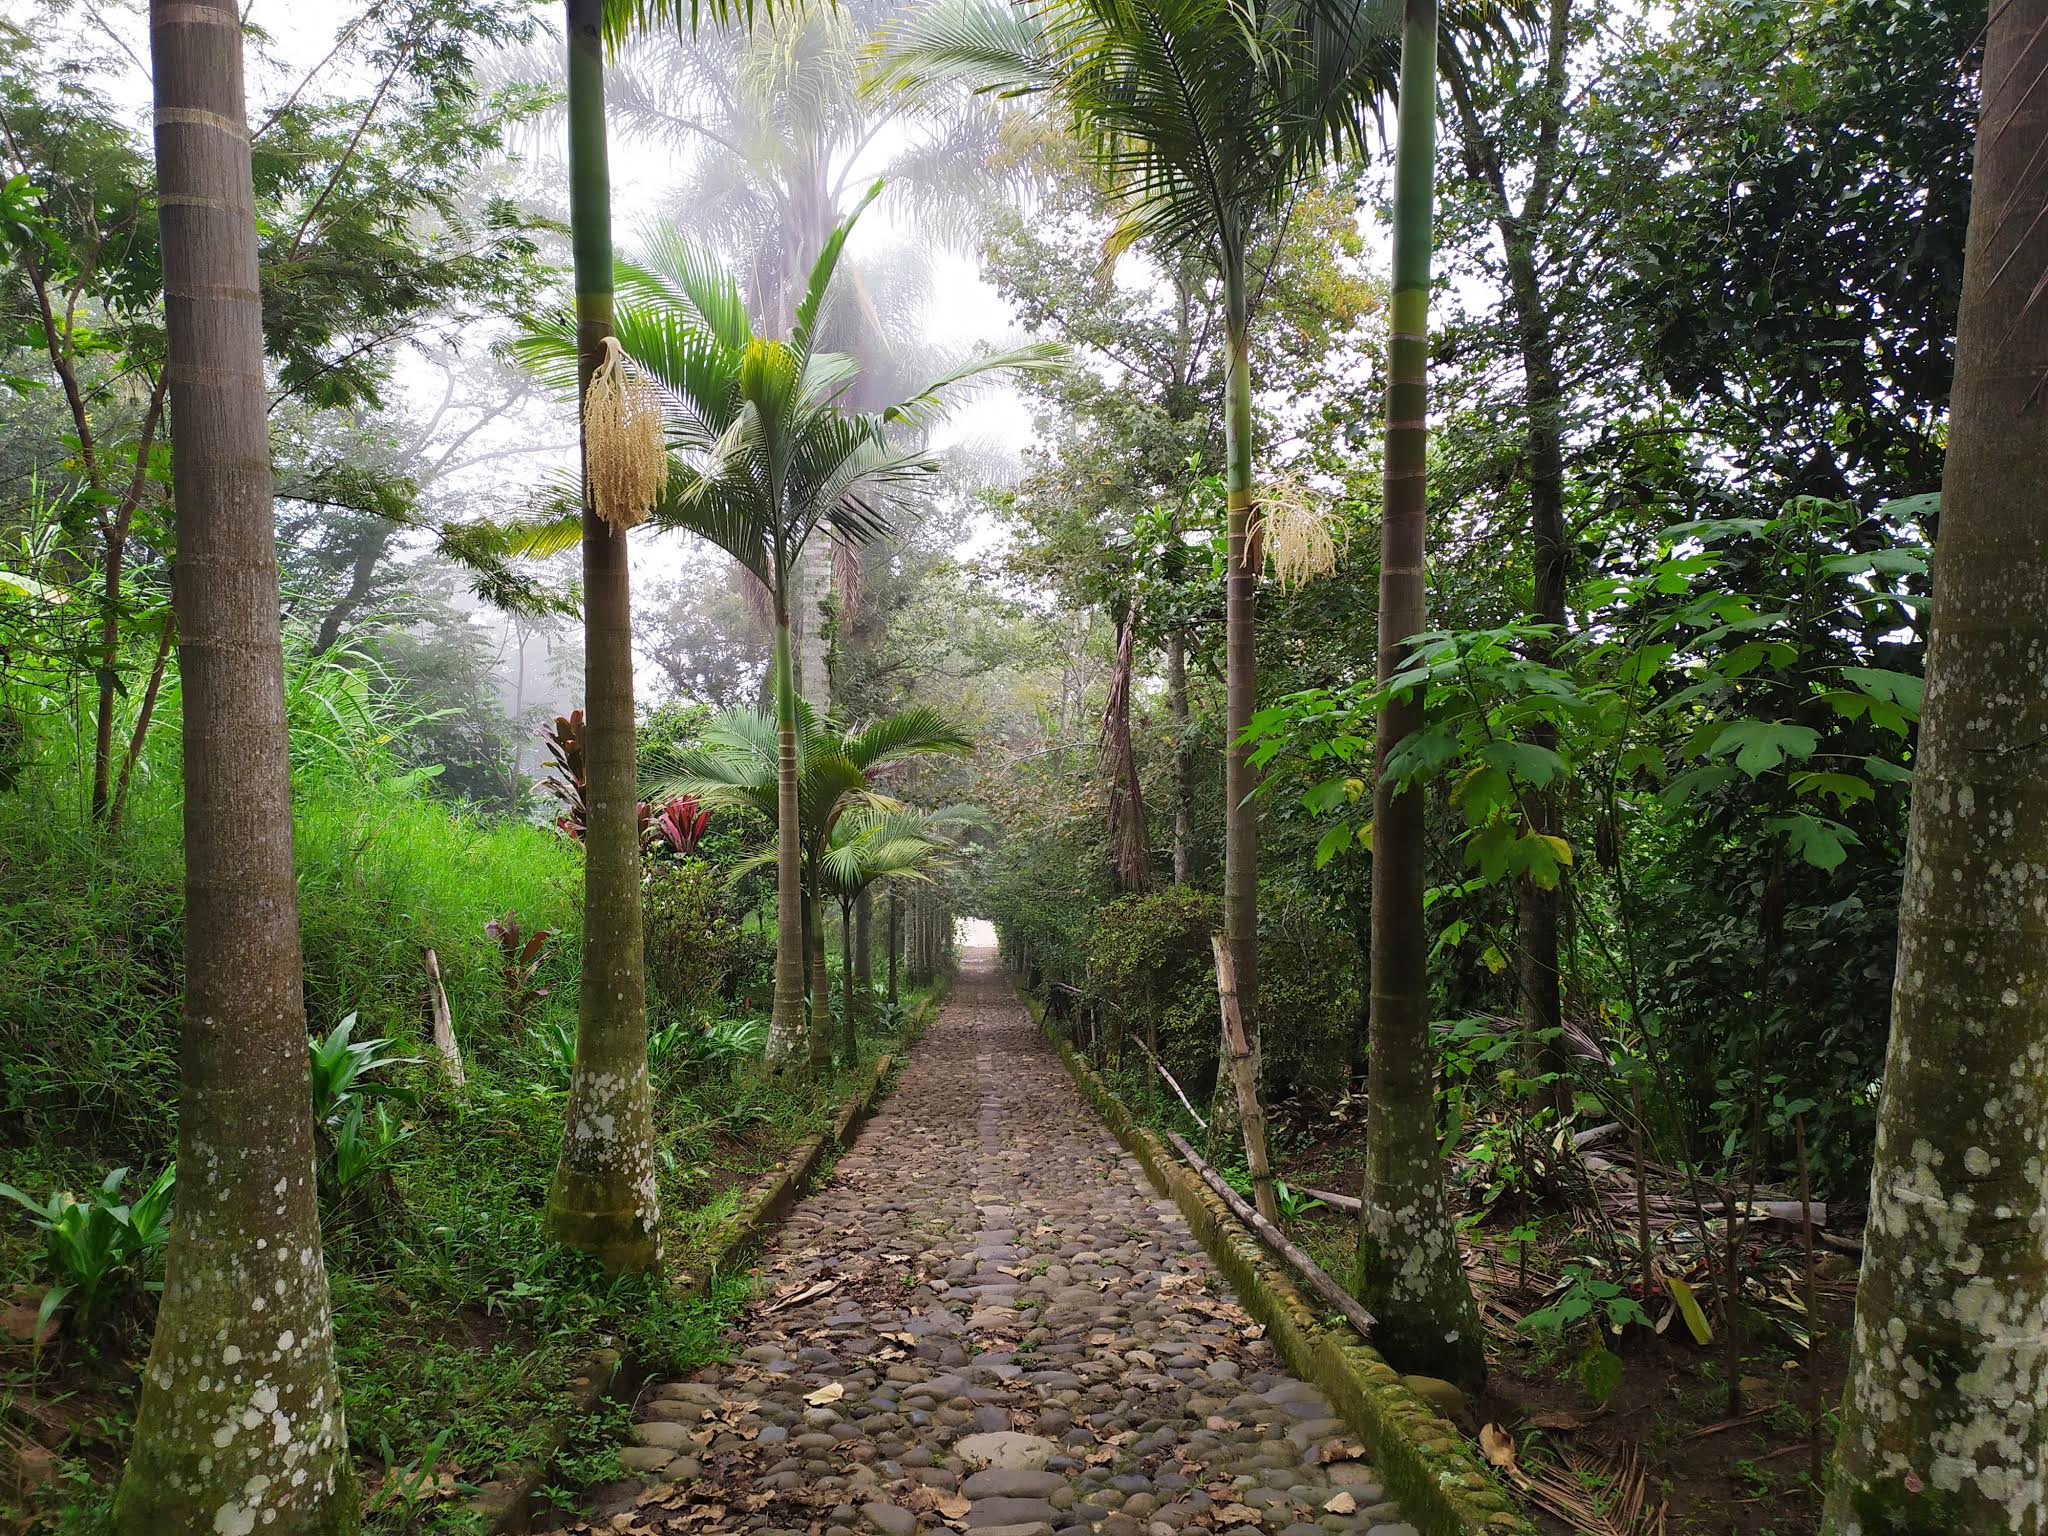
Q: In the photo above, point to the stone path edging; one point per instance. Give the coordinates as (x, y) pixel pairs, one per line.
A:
(608, 1376)
(1424, 1460)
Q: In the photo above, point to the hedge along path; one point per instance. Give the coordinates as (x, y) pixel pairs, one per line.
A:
(987, 1321)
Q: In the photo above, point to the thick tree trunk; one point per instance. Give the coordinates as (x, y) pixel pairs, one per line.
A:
(603, 1200)
(239, 1426)
(1409, 1271)
(786, 1023)
(1943, 1429)
(1183, 774)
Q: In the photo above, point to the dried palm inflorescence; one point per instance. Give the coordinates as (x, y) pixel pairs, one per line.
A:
(625, 451)
(1298, 533)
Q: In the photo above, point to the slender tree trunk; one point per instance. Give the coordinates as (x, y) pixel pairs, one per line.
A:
(109, 671)
(786, 1023)
(239, 1426)
(849, 1038)
(1943, 1429)
(138, 737)
(1240, 653)
(864, 945)
(1241, 816)
(1183, 776)
(821, 983)
(895, 941)
(1130, 838)
(603, 1200)
(1409, 1272)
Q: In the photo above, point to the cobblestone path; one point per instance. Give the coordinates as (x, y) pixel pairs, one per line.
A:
(986, 1321)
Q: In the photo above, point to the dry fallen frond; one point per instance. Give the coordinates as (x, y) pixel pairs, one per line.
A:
(1298, 532)
(625, 451)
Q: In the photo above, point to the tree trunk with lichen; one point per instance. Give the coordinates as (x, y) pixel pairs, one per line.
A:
(603, 1200)
(1410, 1275)
(239, 1427)
(786, 1021)
(1943, 1429)
(821, 984)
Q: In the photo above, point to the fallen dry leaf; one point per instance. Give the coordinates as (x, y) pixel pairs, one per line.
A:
(1341, 1503)
(831, 1392)
(1498, 1446)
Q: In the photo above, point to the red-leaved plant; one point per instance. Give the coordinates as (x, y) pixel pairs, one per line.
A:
(680, 823)
(565, 779)
(523, 953)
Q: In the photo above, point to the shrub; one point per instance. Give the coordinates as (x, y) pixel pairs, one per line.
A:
(686, 933)
(1149, 958)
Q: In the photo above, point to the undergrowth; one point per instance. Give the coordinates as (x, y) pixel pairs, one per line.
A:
(458, 1326)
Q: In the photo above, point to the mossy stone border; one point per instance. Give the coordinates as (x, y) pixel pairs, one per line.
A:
(608, 1376)
(1422, 1460)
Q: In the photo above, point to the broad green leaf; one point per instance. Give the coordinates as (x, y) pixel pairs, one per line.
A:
(1761, 745)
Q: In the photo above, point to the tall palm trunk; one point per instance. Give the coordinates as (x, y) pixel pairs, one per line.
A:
(1942, 1428)
(1240, 693)
(895, 941)
(1409, 1272)
(821, 982)
(786, 1023)
(864, 945)
(603, 1200)
(1241, 817)
(849, 1038)
(240, 1423)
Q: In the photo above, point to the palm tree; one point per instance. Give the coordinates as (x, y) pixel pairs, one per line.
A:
(1206, 116)
(1409, 1270)
(743, 759)
(603, 1198)
(865, 848)
(763, 455)
(240, 1418)
(1942, 1428)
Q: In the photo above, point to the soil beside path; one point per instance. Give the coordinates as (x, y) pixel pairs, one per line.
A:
(987, 1321)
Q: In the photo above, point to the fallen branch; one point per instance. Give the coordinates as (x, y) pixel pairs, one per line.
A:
(1177, 1093)
(1278, 1241)
(1331, 1198)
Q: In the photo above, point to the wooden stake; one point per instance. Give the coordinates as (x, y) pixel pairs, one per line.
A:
(444, 1025)
(1249, 1109)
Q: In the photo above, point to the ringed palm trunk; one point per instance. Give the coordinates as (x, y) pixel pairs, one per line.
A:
(1942, 1427)
(240, 1421)
(786, 1023)
(1240, 693)
(603, 1200)
(1409, 1272)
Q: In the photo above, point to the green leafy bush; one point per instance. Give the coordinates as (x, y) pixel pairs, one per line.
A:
(1150, 961)
(687, 933)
